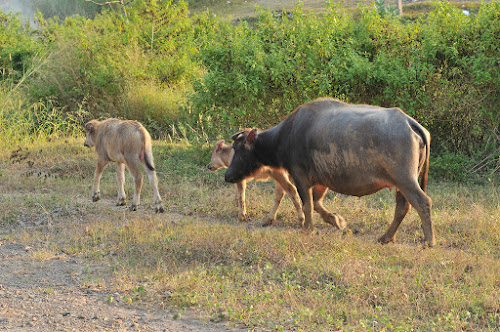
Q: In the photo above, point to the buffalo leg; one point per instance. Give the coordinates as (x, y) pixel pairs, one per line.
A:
(290, 189)
(120, 179)
(240, 199)
(422, 203)
(327, 216)
(305, 193)
(96, 191)
(134, 169)
(402, 208)
(278, 197)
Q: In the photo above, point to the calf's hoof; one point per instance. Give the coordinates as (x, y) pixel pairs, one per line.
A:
(337, 221)
(268, 222)
(133, 207)
(159, 208)
(308, 229)
(96, 196)
(121, 202)
(242, 218)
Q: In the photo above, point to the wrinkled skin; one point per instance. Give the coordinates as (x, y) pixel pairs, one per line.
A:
(127, 143)
(351, 149)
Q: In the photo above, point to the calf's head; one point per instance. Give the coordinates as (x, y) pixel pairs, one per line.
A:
(244, 161)
(221, 156)
(90, 133)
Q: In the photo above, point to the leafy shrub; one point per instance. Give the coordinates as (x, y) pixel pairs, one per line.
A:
(441, 69)
(17, 48)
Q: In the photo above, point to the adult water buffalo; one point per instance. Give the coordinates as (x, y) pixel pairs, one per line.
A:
(351, 149)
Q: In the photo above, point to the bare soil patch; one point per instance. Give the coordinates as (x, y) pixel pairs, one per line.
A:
(50, 295)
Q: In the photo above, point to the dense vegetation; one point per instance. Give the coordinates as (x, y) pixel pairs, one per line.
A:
(200, 76)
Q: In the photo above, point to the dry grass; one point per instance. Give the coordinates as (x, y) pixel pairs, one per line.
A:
(276, 278)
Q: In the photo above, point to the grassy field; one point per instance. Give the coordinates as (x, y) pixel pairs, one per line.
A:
(198, 256)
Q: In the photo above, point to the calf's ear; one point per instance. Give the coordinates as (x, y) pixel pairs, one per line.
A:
(89, 127)
(219, 145)
(251, 139)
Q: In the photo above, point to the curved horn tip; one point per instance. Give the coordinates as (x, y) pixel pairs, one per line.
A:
(235, 136)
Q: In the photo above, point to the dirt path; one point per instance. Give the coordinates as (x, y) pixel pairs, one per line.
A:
(47, 296)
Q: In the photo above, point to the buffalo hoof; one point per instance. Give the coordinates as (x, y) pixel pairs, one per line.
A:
(242, 218)
(133, 207)
(301, 222)
(386, 239)
(96, 196)
(159, 208)
(121, 202)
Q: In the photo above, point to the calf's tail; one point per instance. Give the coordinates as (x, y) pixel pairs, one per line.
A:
(147, 152)
(147, 162)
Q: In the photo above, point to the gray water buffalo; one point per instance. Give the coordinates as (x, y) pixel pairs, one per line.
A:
(351, 149)
(222, 154)
(127, 143)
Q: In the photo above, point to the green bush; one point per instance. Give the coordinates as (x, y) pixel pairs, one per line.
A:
(441, 69)
(17, 48)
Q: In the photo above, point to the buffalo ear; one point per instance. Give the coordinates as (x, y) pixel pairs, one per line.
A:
(235, 136)
(251, 139)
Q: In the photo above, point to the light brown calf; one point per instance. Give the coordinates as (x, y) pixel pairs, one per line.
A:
(124, 142)
(222, 154)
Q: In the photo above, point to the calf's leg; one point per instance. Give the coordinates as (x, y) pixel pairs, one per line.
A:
(154, 182)
(120, 179)
(290, 189)
(278, 196)
(240, 199)
(96, 191)
(135, 171)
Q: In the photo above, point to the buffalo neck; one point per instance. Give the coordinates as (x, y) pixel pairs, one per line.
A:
(267, 146)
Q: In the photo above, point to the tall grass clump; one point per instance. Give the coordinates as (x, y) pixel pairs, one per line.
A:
(137, 65)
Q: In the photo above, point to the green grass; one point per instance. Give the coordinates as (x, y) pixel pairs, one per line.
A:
(198, 256)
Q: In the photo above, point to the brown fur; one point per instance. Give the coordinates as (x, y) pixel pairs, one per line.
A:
(124, 142)
(222, 154)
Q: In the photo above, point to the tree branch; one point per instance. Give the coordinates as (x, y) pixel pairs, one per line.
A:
(111, 2)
